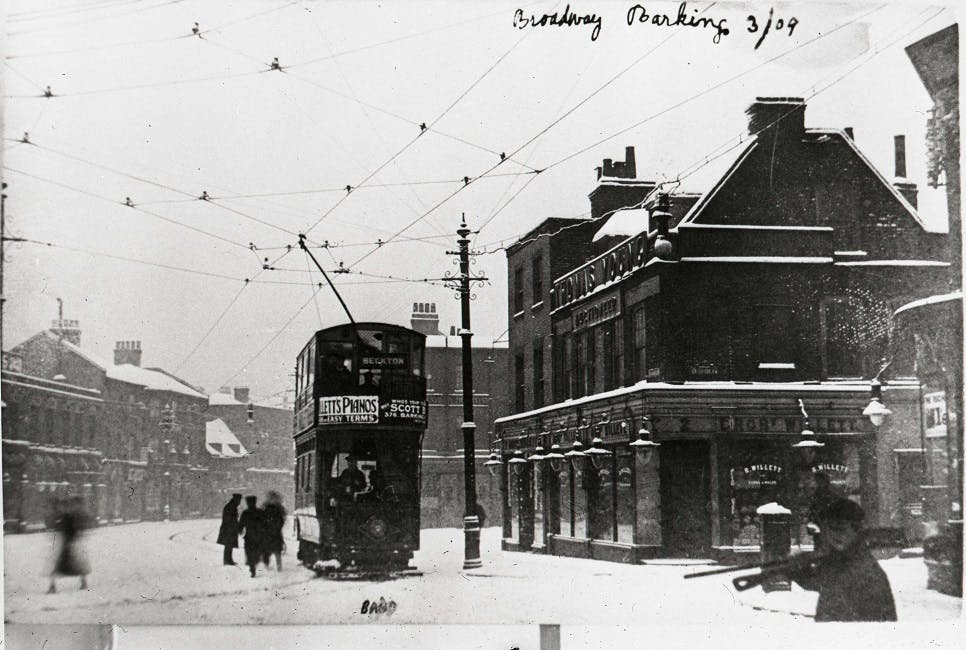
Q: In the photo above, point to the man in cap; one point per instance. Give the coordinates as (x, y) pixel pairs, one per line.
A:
(850, 583)
(352, 479)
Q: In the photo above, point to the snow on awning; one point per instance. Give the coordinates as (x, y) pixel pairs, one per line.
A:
(931, 300)
(624, 223)
(220, 442)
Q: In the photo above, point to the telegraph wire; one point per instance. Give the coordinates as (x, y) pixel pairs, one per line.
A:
(246, 18)
(20, 16)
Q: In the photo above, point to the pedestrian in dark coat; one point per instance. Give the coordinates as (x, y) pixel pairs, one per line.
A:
(228, 533)
(70, 523)
(850, 583)
(274, 521)
(250, 524)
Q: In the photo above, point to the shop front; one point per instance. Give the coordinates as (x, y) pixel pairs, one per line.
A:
(664, 470)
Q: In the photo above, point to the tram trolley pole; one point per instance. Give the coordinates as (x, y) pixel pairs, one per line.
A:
(461, 283)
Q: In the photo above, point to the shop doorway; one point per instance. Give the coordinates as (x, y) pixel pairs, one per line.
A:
(686, 498)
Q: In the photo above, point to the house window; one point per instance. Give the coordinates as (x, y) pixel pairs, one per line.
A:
(589, 361)
(518, 289)
(538, 374)
(606, 336)
(776, 333)
(536, 278)
(652, 339)
(519, 385)
(856, 331)
(579, 371)
(640, 341)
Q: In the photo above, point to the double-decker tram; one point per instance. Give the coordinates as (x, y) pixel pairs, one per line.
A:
(360, 415)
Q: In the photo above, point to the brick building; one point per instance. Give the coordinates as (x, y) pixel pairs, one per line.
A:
(250, 447)
(442, 459)
(140, 446)
(723, 320)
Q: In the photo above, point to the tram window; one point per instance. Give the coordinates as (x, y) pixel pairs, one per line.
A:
(310, 362)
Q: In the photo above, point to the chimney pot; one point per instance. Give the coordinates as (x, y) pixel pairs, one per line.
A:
(900, 145)
(127, 352)
(241, 394)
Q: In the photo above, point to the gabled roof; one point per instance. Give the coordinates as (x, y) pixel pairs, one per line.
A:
(149, 379)
(826, 133)
(220, 442)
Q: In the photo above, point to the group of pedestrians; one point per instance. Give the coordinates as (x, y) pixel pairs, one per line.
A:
(261, 528)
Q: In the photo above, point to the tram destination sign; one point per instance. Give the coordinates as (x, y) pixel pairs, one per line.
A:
(383, 361)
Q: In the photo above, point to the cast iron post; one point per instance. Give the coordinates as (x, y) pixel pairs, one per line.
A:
(471, 522)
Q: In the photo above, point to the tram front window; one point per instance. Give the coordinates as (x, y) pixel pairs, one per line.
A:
(358, 480)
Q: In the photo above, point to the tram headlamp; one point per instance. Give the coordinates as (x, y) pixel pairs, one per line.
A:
(376, 527)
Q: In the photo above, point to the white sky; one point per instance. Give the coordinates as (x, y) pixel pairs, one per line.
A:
(375, 71)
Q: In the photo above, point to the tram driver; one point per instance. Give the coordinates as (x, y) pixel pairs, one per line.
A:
(352, 480)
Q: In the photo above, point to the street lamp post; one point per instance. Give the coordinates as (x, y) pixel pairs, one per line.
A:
(471, 522)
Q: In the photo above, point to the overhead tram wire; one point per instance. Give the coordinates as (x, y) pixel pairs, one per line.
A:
(54, 12)
(429, 125)
(134, 207)
(742, 138)
(194, 197)
(93, 19)
(712, 88)
(557, 121)
(541, 132)
(272, 340)
(122, 258)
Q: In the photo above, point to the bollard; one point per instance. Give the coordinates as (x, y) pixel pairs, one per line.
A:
(776, 542)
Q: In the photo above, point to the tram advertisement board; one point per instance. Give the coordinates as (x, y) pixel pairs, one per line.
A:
(403, 411)
(369, 409)
(349, 409)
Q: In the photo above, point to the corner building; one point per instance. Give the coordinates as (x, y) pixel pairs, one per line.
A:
(724, 325)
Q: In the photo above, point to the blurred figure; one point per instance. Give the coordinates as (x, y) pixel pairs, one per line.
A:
(228, 533)
(821, 497)
(273, 515)
(850, 583)
(250, 524)
(71, 522)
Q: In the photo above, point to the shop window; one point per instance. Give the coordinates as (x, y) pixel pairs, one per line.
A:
(566, 502)
(538, 496)
(518, 289)
(626, 501)
(580, 504)
(519, 375)
(603, 511)
(757, 476)
(536, 279)
(538, 373)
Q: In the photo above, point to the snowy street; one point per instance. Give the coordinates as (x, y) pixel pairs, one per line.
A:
(171, 572)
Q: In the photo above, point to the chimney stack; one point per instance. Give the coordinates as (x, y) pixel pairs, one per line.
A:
(241, 394)
(850, 132)
(127, 352)
(908, 189)
(782, 115)
(425, 319)
(69, 330)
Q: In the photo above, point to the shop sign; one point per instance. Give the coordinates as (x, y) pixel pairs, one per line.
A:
(836, 472)
(349, 409)
(934, 405)
(612, 265)
(403, 410)
(758, 475)
(597, 312)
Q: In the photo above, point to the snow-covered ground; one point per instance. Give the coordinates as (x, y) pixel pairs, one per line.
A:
(171, 572)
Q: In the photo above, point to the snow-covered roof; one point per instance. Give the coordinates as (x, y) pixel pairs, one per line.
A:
(222, 399)
(764, 259)
(624, 223)
(129, 373)
(856, 386)
(931, 300)
(477, 341)
(220, 442)
(894, 263)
